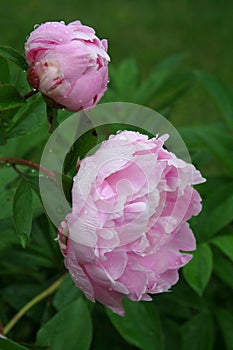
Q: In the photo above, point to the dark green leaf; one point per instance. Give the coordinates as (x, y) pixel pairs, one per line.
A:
(84, 143)
(14, 56)
(4, 69)
(198, 333)
(225, 244)
(140, 326)
(223, 268)
(28, 118)
(125, 79)
(22, 211)
(6, 344)
(9, 97)
(173, 88)
(66, 293)
(218, 141)
(217, 211)
(172, 335)
(225, 321)
(221, 94)
(52, 116)
(148, 89)
(198, 271)
(69, 329)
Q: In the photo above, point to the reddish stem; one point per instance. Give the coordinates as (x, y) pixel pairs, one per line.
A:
(24, 162)
(30, 93)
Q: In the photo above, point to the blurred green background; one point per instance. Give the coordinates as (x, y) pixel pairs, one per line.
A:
(149, 30)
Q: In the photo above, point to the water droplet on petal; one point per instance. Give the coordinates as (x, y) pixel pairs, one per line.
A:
(36, 26)
(62, 22)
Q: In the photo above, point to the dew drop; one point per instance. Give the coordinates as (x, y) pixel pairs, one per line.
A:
(62, 22)
(8, 164)
(33, 171)
(50, 150)
(36, 26)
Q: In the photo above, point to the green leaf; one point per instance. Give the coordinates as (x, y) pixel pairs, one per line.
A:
(140, 326)
(218, 141)
(225, 321)
(82, 145)
(225, 244)
(22, 211)
(217, 211)
(52, 115)
(125, 79)
(198, 271)
(9, 97)
(219, 217)
(28, 118)
(174, 87)
(156, 80)
(221, 94)
(172, 335)
(4, 69)
(66, 293)
(198, 332)
(69, 329)
(6, 344)
(14, 56)
(223, 268)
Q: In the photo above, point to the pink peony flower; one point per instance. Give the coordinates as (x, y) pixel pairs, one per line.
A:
(68, 64)
(131, 203)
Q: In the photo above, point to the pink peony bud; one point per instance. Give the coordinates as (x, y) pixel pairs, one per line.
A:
(131, 203)
(68, 63)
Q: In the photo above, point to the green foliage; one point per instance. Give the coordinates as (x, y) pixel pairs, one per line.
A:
(140, 326)
(198, 308)
(6, 344)
(14, 56)
(70, 328)
(22, 214)
(9, 97)
(198, 332)
(197, 273)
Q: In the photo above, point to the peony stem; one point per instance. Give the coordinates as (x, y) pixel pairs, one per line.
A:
(33, 302)
(30, 93)
(24, 162)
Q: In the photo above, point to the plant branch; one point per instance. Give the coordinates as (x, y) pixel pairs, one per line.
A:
(33, 302)
(30, 93)
(28, 163)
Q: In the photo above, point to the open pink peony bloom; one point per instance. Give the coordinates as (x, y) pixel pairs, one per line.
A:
(68, 63)
(131, 203)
